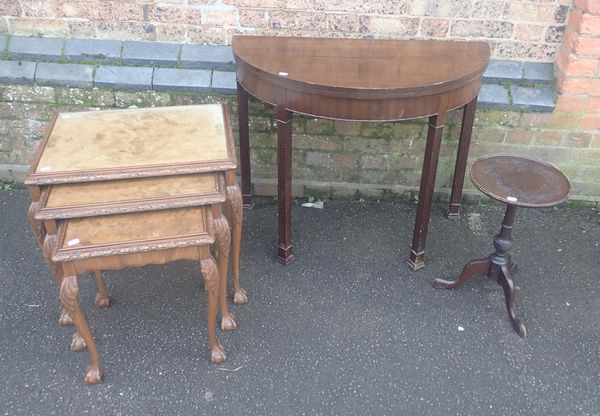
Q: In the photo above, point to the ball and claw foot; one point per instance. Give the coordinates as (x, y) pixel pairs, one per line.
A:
(101, 301)
(240, 297)
(78, 343)
(228, 322)
(93, 375)
(65, 318)
(217, 355)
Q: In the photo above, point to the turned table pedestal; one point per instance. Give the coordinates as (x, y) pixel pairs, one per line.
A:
(518, 181)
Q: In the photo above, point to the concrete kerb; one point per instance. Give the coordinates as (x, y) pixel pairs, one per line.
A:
(142, 58)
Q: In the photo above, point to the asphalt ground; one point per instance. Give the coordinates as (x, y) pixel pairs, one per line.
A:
(347, 329)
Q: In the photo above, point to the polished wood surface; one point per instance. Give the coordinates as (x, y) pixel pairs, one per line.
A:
(118, 144)
(520, 180)
(362, 80)
(356, 68)
(148, 228)
(127, 195)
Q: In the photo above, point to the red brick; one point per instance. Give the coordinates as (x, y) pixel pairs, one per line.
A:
(590, 25)
(519, 136)
(572, 103)
(173, 15)
(171, 33)
(84, 9)
(575, 18)
(267, 4)
(482, 28)
(38, 27)
(401, 26)
(594, 105)
(220, 18)
(35, 8)
(570, 39)
(577, 139)
(10, 8)
(349, 128)
(254, 18)
(434, 27)
(343, 22)
(547, 137)
(556, 120)
(591, 122)
(526, 32)
(570, 85)
(569, 64)
(127, 11)
(593, 6)
(530, 12)
(580, 4)
(586, 46)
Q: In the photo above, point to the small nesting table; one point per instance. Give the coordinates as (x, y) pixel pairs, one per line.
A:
(138, 167)
(131, 240)
(518, 181)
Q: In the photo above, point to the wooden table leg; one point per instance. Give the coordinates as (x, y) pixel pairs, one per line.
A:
(461, 158)
(242, 97)
(223, 242)
(432, 153)
(70, 300)
(210, 272)
(284, 183)
(235, 216)
(497, 267)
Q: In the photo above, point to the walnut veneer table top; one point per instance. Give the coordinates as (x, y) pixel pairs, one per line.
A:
(133, 232)
(85, 199)
(116, 144)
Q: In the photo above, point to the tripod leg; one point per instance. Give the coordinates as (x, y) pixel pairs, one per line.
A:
(474, 267)
(505, 280)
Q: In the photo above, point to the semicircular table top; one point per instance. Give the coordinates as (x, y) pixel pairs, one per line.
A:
(359, 80)
(364, 66)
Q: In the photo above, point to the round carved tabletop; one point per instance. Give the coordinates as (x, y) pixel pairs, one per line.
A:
(520, 180)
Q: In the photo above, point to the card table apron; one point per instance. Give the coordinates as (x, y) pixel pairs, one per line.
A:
(361, 80)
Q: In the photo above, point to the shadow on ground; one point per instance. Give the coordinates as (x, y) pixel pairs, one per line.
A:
(347, 329)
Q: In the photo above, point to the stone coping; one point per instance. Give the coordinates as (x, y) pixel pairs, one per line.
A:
(164, 66)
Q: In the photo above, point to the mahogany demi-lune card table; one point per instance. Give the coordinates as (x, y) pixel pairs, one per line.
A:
(361, 80)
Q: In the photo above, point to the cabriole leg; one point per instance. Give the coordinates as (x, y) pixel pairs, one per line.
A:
(210, 273)
(235, 216)
(69, 297)
(222, 245)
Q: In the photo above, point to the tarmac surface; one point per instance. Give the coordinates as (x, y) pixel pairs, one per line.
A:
(347, 329)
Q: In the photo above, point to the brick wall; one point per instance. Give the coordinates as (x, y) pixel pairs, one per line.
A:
(578, 64)
(331, 158)
(525, 30)
(338, 158)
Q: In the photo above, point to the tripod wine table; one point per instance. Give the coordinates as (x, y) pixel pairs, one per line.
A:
(518, 181)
